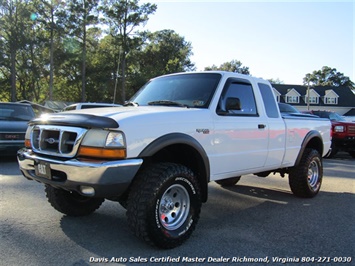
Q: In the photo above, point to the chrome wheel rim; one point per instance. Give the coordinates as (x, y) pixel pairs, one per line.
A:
(174, 207)
(313, 175)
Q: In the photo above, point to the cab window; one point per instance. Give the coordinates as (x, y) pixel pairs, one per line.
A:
(237, 99)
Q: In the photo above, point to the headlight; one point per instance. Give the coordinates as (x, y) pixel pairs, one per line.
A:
(103, 144)
(115, 139)
(339, 129)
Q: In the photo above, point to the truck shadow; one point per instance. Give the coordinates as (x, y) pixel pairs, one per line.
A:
(244, 218)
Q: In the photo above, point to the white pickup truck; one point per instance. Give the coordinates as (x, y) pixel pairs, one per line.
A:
(157, 154)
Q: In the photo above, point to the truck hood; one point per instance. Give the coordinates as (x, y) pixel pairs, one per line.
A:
(342, 123)
(112, 117)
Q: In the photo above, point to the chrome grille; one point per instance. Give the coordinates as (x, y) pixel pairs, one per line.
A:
(56, 140)
(351, 129)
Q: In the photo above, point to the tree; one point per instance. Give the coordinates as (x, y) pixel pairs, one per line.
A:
(46, 15)
(232, 66)
(123, 17)
(275, 81)
(327, 76)
(164, 52)
(81, 15)
(14, 19)
(100, 62)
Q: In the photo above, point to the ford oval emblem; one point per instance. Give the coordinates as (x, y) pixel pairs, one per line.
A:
(50, 140)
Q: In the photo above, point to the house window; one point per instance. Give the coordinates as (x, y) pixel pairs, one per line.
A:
(292, 99)
(312, 99)
(331, 100)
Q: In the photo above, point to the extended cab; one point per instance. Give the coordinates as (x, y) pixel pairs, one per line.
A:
(157, 154)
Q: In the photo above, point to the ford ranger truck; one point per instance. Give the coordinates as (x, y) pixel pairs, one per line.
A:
(157, 154)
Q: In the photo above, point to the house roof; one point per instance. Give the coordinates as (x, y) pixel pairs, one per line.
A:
(351, 112)
(346, 96)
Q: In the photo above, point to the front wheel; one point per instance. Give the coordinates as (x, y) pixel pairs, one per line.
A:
(71, 203)
(305, 179)
(164, 205)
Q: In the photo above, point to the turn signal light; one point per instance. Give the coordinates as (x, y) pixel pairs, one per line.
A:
(27, 143)
(103, 153)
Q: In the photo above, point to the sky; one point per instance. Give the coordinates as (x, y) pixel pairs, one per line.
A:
(276, 39)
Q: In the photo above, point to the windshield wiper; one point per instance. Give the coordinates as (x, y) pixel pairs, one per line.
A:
(131, 104)
(167, 103)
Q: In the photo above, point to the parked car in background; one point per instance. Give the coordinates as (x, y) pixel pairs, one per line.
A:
(287, 109)
(13, 124)
(349, 118)
(77, 106)
(38, 108)
(343, 132)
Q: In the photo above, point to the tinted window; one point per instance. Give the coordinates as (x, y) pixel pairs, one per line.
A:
(287, 108)
(16, 112)
(330, 115)
(243, 93)
(69, 108)
(269, 100)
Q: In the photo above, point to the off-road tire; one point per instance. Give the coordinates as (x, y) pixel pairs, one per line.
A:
(164, 205)
(352, 153)
(228, 182)
(305, 179)
(71, 203)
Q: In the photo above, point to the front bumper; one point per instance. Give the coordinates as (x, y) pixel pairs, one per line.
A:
(345, 144)
(92, 178)
(10, 147)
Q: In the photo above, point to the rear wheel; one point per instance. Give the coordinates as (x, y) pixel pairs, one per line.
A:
(228, 182)
(305, 179)
(164, 205)
(71, 203)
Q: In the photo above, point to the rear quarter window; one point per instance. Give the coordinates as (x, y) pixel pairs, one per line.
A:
(269, 100)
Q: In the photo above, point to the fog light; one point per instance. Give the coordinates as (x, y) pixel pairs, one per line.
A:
(88, 191)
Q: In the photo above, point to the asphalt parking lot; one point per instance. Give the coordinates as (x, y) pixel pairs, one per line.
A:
(257, 221)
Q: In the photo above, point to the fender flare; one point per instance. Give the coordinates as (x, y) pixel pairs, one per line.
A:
(180, 138)
(313, 134)
(176, 138)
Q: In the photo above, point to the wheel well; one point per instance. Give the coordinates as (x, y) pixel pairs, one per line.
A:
(186, 155)
(312, 141)
(317, 144)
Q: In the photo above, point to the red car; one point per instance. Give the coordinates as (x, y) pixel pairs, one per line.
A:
(343, 133)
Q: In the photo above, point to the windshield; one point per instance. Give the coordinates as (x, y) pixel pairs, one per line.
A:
(14, 112)
(190, 90)
(336, 117)
(330, 115)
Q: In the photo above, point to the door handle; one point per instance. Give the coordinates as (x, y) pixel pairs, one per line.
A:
(261, 126)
